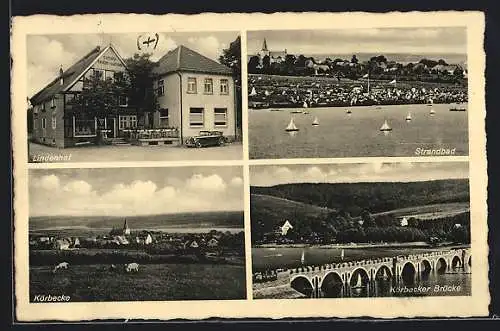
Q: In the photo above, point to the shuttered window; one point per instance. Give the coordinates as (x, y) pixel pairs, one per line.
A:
(196, 118)
(220, 116)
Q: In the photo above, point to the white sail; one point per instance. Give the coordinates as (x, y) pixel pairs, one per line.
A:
(291, 126)
(385, 126)
(304, 104)
(359, 282)
(432, 112)
(302, 258)
(342, 254)
(267, 92)
(408, 117)
(315, 122)
(254, 92)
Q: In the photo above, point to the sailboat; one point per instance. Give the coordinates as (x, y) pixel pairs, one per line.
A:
(342, 254)
(291, 126)
(359, 283)
(304, 105)
(385, 127)
(302, 257)
(432, 112)
(408, 117)
(315, 122)
(253, 92)
(348, 111)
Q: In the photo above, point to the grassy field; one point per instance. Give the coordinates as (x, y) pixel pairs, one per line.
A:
(433, 211)
(154, 282)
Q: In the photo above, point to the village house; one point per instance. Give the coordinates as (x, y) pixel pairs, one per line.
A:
(62, 244)
(56, 123)
(194, 93)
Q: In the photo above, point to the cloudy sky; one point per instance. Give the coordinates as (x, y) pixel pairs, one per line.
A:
(134, 191)
(362, 172)
(46, 53)
(396, 40)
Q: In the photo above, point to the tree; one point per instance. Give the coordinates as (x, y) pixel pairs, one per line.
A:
(442, 62)
(253, 65)
(379, 59)
(354, 59)
(301, 61)
(231, 57)
(266, 63)
(99, 97)
(141, 94)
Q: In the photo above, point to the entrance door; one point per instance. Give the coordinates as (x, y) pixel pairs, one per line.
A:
(111, 127)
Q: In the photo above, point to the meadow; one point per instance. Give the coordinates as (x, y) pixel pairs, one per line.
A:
(153, 282)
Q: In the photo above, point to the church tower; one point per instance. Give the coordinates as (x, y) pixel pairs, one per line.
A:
(264, 51)
(126, 229)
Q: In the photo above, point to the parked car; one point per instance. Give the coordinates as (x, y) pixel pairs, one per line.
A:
(207, 138)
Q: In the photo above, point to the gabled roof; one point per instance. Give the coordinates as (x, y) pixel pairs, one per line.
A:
(71, 75)
(185, 59)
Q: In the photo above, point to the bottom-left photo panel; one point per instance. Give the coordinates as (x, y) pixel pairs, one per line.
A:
(136, 234)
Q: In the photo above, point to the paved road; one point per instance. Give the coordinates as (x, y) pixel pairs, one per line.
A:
(40, 153)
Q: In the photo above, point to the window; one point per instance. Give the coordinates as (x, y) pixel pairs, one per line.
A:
(99, 73)
(122, 101)
(118, 76)
(54, 121)
(161, 88)
(164, 118)
(84, 127)
(196, 117)
(35, 124)
(53, 103)
(220, 116)
(224, 86)
(44, 124)
(191, 85)
(110, 75)
(43, 106)
(209, 86)
(127, 122)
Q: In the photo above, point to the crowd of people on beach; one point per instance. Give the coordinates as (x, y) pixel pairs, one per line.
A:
(265, 92)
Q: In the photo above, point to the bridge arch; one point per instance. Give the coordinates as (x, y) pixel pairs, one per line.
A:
(408, 272)
(456, 262)
(383, 272)
(331, 285)
(441, 265)
(302, 284)
(425, 267)
(363, 273)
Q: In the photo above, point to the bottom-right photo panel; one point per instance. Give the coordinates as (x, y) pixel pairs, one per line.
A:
(360, 230)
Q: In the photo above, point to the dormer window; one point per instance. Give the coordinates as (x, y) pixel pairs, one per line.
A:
(53, 103)
(122, 101)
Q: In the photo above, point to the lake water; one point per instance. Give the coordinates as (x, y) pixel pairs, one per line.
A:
(357, 134)
(458, 282)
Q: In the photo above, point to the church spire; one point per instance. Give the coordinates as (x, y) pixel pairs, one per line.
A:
(264, 45)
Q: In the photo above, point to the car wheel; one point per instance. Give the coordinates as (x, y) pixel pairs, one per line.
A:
(197, 144)
(222, 142)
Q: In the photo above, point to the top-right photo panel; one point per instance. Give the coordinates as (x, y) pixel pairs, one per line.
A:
(357, 93)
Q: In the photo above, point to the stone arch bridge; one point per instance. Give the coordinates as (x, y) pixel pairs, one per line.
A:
(315, 281)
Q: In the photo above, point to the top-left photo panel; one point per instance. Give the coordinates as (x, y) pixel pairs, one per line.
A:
(134, 97)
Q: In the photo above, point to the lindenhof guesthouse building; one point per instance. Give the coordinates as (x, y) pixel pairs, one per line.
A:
(194, 94)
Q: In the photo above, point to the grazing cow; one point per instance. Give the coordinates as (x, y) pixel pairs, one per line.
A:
(62, 265)
(132, 267)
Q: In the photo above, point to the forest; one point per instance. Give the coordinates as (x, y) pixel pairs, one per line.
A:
(343, 213)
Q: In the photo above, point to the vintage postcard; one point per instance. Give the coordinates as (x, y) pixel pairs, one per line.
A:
(225, 165)
(131, 96)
